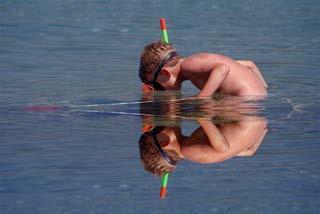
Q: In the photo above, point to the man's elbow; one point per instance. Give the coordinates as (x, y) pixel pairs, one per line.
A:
(224, 69)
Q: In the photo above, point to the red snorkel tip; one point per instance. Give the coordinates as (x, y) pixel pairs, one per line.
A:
(163, 192)
(163, 25)
(147, 88)
(147, 128)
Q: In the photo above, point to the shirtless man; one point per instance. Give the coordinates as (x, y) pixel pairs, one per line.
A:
(161, 68)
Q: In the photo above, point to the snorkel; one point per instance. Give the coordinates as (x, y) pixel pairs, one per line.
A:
(165, 176)
(164, 32)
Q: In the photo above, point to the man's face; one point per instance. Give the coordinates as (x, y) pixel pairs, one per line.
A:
(158, 82)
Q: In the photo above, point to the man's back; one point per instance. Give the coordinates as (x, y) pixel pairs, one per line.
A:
(240, 79)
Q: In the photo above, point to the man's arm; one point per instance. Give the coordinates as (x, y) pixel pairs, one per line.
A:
(217, 75)
(216, 138)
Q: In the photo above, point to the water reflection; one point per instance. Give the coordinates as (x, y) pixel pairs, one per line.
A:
(226, 128)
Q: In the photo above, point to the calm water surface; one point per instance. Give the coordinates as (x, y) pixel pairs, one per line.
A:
(87, 52)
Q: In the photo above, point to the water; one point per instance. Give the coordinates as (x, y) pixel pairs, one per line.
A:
(87, 52)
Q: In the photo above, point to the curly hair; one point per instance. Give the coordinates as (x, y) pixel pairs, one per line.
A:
(151, 56)
(152, 160)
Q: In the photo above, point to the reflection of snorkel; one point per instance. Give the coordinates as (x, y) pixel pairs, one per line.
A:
(155, 158)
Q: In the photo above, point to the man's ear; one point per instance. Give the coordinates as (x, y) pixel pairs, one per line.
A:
(165, 74)
(164, 140)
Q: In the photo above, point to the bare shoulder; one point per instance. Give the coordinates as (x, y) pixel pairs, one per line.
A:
(196, 58)
(197, 62)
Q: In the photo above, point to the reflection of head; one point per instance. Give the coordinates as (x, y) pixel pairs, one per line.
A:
(154, 157)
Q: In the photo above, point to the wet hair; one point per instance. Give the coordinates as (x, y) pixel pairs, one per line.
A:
(151, 158)
(151, 56)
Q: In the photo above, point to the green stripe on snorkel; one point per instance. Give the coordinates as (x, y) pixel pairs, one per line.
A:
(165, 176)
(165, 36)
(164, 184)
(165, 179)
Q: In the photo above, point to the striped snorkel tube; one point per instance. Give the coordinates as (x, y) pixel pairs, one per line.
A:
(165, 176)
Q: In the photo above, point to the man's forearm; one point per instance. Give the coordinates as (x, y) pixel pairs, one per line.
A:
(216, 138)
(216, 78)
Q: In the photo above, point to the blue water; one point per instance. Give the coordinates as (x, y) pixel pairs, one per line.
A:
(87, 52)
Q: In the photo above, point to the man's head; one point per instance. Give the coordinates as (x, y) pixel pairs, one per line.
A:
(155, 62)
(155, 154)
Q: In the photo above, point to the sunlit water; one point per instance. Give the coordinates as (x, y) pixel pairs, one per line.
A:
(87, 52)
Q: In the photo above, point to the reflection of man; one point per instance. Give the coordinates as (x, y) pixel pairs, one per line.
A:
(228, 128)
(162, 147)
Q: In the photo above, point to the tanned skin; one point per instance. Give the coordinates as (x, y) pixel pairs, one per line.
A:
(212, 143)
(213, 73)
